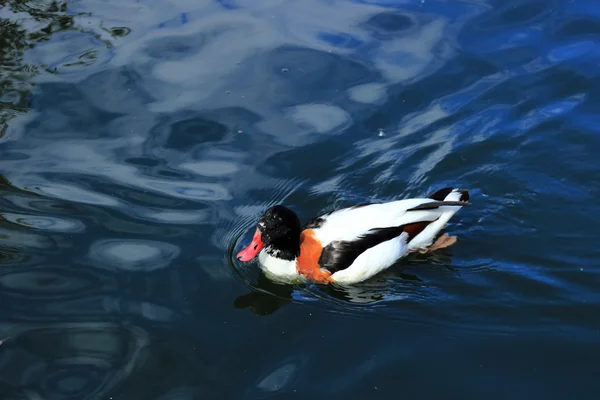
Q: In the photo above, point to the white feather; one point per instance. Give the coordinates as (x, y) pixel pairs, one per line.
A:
(425, 238)
(277, 268)
(351, 223)
(453, 196)
(373, 261)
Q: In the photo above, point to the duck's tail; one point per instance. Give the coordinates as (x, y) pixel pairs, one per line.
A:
(425, 233)
(450, 194)
(445, 197)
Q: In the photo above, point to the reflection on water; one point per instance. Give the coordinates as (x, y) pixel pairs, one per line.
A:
(23, 26)
(69, 361)
(141, 140)
(393, 285)
(93, 360)
(133, 255)
(44, 223)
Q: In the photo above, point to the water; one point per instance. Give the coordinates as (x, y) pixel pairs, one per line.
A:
(140, 141)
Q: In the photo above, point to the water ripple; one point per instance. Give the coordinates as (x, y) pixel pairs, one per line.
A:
(71, 361)
(132, 255)
(46, 282)
(68, 192)
(45, 223)
(141, 141)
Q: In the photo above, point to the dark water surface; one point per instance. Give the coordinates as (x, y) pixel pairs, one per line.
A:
(141, 139)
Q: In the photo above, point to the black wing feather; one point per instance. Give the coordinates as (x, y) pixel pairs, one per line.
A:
(441, 194)
(436, 204)
(339, 255)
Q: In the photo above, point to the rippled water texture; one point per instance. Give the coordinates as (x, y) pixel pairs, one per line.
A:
(139, 141)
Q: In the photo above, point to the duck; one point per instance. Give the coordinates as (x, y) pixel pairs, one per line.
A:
(351, 244)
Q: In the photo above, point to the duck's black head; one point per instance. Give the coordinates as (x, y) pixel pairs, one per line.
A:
(278, 231)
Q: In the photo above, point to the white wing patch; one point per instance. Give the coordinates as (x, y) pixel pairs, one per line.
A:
(348, 224)
(373, 261)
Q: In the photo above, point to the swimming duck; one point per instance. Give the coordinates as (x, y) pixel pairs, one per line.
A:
(352, 244)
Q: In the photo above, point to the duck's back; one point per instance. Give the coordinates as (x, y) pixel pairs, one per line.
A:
(356, 242)
(352, 223)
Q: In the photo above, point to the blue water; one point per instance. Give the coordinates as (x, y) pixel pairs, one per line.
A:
(140, 140)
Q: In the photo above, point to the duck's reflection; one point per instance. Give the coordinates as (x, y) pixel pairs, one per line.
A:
(268, 296)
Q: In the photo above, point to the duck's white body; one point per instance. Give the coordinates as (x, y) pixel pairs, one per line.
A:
(338, 231)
